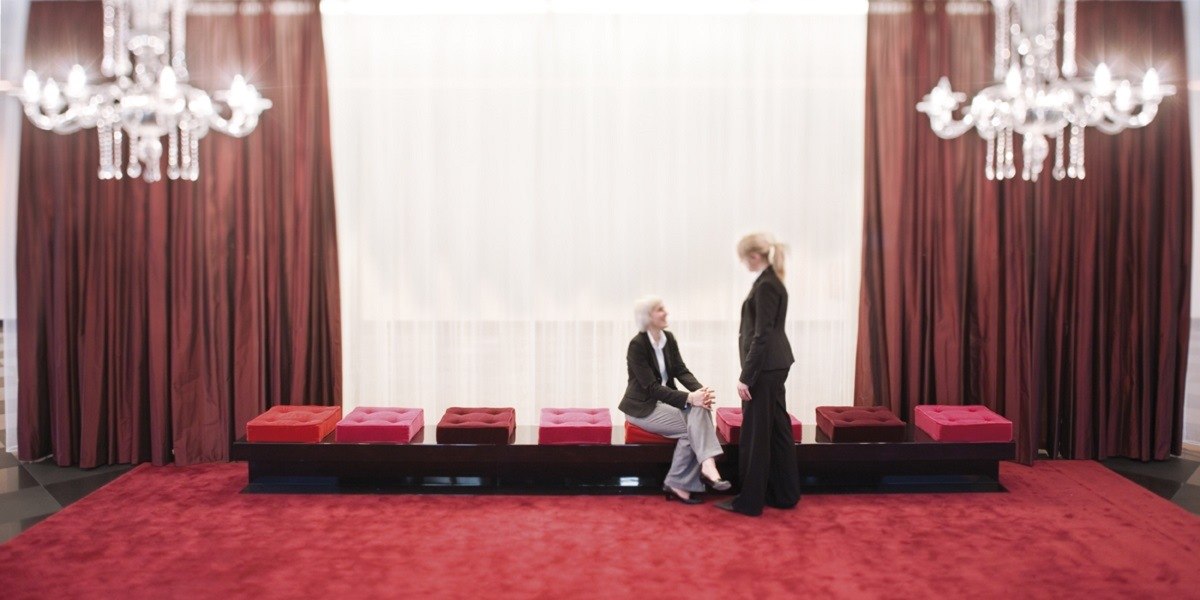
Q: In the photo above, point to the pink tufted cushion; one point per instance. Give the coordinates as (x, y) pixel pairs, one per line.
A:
(860, 424)
(575, 426)
(962, 423)
(293, 424)
(729, 426)
(637, 435)
(477, 426)
(370, 424)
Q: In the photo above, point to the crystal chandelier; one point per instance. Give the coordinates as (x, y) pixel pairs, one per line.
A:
(144, 96)
(1037, 99)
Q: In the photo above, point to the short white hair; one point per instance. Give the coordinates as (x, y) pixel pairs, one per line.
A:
(642, 309)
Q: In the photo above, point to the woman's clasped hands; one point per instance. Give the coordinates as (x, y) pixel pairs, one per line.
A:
(704, 397)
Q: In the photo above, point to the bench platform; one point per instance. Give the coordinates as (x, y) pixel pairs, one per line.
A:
(917, 464)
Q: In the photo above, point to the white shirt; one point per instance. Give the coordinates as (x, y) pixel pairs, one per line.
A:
(658, 353)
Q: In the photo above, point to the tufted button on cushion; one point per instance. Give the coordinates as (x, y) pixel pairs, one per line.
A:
(381, 424)
(293, 424)
(729, 426)
(637, 435)
(972, 423)
(575, 426)
(477, 426)
(860, 424)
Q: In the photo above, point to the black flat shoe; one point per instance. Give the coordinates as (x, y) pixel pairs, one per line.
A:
(671, 495)
(721, 485)
(727, 505)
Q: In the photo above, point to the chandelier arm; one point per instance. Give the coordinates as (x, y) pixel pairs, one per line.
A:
(238, 125)
(64, 122)
(1147, 114)
(951, 129)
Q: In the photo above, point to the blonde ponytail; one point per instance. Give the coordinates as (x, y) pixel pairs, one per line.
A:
(764, 244)
(778, 258)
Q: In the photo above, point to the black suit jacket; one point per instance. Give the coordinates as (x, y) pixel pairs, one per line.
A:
(762, 343)
(645, 386)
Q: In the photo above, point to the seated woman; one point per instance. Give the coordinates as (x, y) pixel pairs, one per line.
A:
(653, 403)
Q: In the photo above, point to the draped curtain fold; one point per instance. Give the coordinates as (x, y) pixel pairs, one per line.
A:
(156, 319)
(1062, 305)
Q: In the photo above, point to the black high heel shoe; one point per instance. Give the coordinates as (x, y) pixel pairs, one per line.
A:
(721, 485)
(671, 495)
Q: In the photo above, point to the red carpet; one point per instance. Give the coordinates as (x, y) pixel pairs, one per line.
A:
(1066, 529)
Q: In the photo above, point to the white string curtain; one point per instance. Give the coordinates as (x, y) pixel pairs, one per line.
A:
(511, 178)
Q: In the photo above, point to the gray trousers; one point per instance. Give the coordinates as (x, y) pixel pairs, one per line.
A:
(697, 441)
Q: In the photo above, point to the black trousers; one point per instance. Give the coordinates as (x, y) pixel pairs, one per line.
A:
(767, 451)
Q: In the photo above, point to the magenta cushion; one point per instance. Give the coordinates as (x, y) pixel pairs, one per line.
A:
(477, 426)
(575, 426)
(962, 423)
(860, 424)
(371, 424)
(293, 423)
(729, 426)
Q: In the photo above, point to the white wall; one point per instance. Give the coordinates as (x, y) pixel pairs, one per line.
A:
(13, 15)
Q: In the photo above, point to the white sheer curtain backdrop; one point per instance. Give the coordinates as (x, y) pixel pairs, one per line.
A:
(1191, 411)
(13, 16)
(509, 183)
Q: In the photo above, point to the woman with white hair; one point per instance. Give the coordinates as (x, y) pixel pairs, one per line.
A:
(654, 403)
(766, 451)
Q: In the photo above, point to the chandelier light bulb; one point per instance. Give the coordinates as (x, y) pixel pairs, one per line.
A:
(52, 96)
(238, 94)
(32, 87)
(943, 95)
(168, 84)
(1102, 80)
(1012, 81)
(1151, 88)
(76, 82)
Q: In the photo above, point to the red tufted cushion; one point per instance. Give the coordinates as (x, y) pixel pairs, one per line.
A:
(637, 435)
(575, 426)
(293, 424)
(729, 425)
(477, 426)
(370, 424)
(860, 424)
(962, 423)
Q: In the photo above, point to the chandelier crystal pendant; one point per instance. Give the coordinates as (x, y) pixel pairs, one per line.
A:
(144, 96)
(1039, 101)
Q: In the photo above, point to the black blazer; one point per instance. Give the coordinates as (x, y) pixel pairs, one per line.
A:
(645, 386)
(762, 343)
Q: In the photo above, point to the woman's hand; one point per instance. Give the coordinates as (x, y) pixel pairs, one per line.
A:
(743, 391)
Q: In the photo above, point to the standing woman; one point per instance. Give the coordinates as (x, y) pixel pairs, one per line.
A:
(767, 451)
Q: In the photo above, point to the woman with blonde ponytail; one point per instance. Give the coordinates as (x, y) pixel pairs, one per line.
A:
(767, 450)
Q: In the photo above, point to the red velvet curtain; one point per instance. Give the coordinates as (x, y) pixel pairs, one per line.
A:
(154, 320)
(1062, 305)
